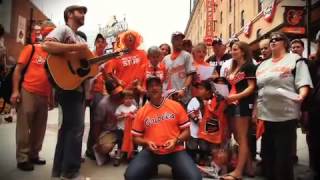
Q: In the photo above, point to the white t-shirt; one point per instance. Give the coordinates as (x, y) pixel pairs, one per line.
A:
(194, 106)
(122, 110)
(227, 65)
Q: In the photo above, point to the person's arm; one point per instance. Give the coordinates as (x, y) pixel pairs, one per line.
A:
(147, 144)
(172, 143)
(96, 130)
(303, 93)
(187, 83)
(25, 55)
(55, 47)
(245, 93)
(15, 97)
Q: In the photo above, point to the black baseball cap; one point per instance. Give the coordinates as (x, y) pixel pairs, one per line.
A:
(71, 9)
(217, 40)
(153, 79)
(177, 33)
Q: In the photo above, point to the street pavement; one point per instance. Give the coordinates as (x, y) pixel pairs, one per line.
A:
(89, 169)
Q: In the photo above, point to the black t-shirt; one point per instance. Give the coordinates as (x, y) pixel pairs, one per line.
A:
(212, 60)
(247, 71)
(314, 95)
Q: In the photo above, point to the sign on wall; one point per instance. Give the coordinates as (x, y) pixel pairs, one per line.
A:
(21, 29)
(293, 19)
(269, 10)
(209, 22)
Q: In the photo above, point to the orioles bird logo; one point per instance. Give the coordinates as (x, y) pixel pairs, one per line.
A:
(294, 17)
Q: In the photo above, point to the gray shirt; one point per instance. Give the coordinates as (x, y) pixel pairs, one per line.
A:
(65, 34)
(178, 69)
(105, 112)
(271, 105)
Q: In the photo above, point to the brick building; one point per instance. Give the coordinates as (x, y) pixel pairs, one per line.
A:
(11, 13)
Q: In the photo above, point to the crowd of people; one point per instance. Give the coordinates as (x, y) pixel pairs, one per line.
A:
(184, 108)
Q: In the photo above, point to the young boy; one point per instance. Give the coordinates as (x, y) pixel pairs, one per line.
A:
(125, 114)
(211, 130)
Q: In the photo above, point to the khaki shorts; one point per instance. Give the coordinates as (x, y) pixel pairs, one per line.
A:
(107, 141)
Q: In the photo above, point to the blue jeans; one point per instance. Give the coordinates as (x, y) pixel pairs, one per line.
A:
(67, 158)
(142, 166)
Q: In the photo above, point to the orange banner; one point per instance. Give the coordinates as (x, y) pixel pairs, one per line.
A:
(210, 20)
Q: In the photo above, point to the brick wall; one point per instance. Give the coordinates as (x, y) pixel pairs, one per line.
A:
(20, 8)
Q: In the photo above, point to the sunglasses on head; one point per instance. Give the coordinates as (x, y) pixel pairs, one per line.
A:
(276, 39)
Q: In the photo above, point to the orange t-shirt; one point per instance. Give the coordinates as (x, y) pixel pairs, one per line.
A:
(160, 124)
(98, 84)
(36, 78)
(159, 71)
(218, 121)
(128, 67)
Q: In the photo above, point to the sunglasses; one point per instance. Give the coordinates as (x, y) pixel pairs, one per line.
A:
(276, 39)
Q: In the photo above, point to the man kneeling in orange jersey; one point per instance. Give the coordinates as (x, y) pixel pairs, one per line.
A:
(161, 126)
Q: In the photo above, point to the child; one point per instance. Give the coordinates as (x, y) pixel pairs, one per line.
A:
(125, 114)
(212, 128)
(195, 110)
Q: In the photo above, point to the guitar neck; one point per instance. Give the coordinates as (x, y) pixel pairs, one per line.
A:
(103, 58)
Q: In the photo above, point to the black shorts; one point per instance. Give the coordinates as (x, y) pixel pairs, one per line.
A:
(239, 110)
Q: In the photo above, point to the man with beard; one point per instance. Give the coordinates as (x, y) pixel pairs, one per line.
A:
(161, 126)
(67, 158)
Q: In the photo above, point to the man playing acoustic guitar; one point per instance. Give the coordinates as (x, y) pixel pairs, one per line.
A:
(67, 158)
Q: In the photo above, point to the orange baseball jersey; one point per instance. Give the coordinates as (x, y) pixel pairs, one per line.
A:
(128, 67)
(127, 143)
(160, 124)
(35, 79)
(212, 127)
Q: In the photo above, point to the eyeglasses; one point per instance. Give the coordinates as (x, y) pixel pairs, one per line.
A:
(276, 39)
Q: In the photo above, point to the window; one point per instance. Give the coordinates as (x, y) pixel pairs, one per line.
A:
(220, 17)
(242, 18)
(230, 5)
(259, 5)
(230, 31)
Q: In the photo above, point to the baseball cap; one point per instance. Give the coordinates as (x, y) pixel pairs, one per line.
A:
(232, 40)
(217, 40)
(177, 33)
(153, 79)
(113, 87)
(71, 9)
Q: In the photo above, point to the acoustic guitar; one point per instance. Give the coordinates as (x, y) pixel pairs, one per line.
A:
(69, 70)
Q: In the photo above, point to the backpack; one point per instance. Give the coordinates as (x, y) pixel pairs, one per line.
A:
(7, 85)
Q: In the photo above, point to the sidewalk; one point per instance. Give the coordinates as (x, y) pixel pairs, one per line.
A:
(8, 170)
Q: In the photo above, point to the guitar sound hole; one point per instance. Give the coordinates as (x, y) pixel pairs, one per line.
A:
(84, 68)
(84, 63)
